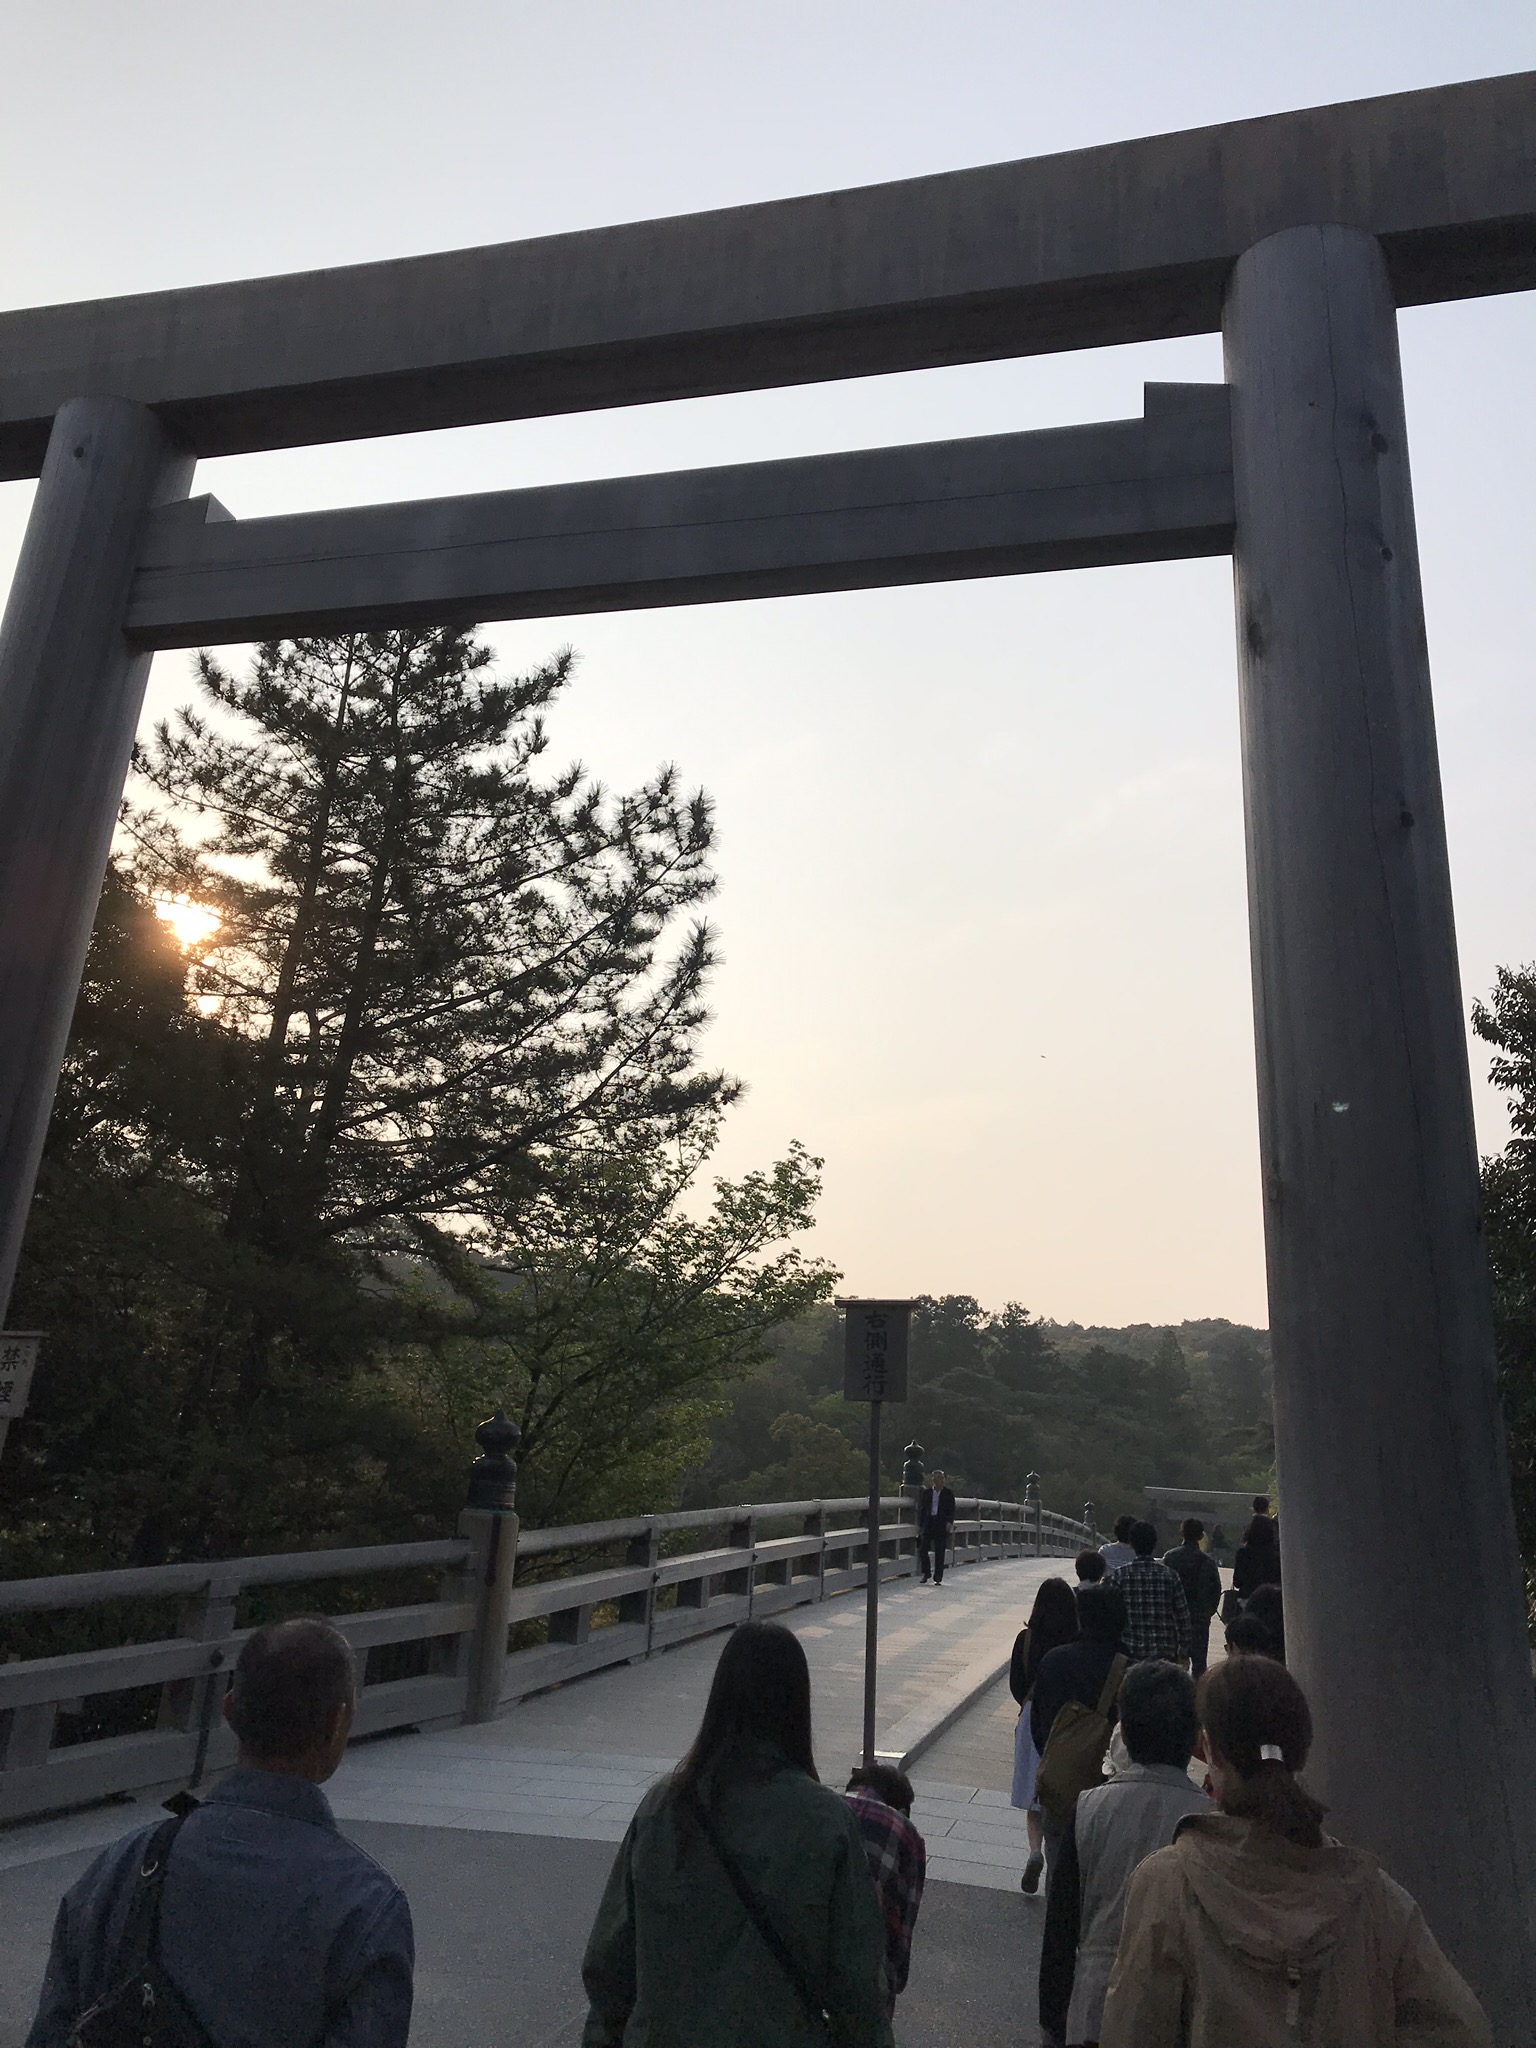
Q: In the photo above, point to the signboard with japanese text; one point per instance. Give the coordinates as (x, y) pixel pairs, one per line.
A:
(875, 1350)
(18, 1355)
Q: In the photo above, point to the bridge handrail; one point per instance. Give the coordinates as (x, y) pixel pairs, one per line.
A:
(159, 1581)
(590, 1615)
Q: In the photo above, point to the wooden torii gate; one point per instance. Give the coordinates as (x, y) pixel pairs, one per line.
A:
(1298, 236)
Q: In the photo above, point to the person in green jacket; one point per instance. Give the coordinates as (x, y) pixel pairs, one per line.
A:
(740, 1909)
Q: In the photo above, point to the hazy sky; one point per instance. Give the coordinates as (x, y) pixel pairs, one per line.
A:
(982, 898)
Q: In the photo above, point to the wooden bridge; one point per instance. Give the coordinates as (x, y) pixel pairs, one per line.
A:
(501, 1829)
(487, 1618)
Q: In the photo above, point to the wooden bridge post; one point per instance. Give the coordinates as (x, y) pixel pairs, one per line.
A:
(491, 1526)
(1404, 1612)
(816, 1525)
(640, 1607)
(742, 1536)
(192, 1705)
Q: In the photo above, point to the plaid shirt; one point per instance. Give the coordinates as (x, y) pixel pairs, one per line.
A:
(898, 1862)
(1156, 1612)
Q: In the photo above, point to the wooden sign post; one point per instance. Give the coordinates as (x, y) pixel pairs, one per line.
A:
(874, 1370)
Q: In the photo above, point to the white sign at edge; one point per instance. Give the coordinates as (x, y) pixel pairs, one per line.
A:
(18, 1357)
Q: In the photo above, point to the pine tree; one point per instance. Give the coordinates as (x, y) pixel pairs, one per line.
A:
(405, 1132)
(445, 960)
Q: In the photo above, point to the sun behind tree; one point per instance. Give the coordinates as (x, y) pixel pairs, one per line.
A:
(413, 1118)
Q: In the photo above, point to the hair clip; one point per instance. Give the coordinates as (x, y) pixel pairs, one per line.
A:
(1271, 1753)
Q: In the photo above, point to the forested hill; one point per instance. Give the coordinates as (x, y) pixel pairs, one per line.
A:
(1098, 1413)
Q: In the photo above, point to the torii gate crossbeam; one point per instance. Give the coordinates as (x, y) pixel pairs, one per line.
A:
(1300, 236)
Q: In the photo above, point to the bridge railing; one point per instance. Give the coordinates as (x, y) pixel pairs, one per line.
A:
(579, 1599)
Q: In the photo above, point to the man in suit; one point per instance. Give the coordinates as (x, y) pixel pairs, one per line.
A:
(935, 1520)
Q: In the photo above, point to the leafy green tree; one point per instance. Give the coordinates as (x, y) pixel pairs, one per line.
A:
(1508, 1023)
(801, 1374)
(817, 1463)
(607, 1319)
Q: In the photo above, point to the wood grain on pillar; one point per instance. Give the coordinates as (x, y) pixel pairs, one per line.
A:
(70, 693)
(1403, 1596)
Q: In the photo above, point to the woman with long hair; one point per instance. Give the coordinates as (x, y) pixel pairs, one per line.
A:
(1052, 1622)
(740, 1908)
(1255, 1927)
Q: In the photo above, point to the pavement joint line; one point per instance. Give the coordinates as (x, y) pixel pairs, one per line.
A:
(918, 1731)
(942, 1872)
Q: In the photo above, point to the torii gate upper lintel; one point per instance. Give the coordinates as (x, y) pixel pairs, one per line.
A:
(1130, 241)
(1299, 235)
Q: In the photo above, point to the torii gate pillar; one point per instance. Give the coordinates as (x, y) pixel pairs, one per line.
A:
(70, 693)
(1404, 1614)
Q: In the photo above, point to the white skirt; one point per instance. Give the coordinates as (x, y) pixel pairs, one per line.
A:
(1026, 1759)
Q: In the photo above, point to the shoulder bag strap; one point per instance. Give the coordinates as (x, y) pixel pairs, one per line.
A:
(757, 1913)
(141, 1926)
(141, 1929)
(1111, 1686)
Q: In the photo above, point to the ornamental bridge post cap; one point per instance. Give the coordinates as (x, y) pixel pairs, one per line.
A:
(912, 1469)
(493, 1476)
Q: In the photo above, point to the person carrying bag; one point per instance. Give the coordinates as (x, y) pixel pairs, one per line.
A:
(757, 1913)
(740, 1909)
(249, 1919)
(1072, 1710)
(143, 2008)
(1052, 1622)
(1074, 1752)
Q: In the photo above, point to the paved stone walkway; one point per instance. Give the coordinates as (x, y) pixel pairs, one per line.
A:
(575, 1762)
(978, 1748)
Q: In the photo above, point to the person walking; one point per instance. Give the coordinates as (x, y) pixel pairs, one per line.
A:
(1089, 1566)
(1257, 1562)
(881, 1798)
(935, 1522)
(1247, 1636)
(1197, 1574)
(739, 1908)
(1119, 1551)
(1080, 1674)
(1116, 1825)
(1255, 1927)
(1052, 1622)
(272, 1928)
(1265, 1607)
(1157, 1614)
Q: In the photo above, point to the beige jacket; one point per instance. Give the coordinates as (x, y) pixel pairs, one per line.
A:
(1235, 1938)
(1118, 1825)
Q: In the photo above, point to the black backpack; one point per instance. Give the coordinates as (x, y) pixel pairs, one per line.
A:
(143, 2008)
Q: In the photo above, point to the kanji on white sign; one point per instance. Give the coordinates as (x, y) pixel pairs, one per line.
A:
(875, 1350)
(18, 1355)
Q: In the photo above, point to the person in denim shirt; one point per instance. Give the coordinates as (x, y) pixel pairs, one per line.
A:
(276, 1930)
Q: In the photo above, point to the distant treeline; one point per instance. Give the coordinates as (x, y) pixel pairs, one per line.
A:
(1098, 1413)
